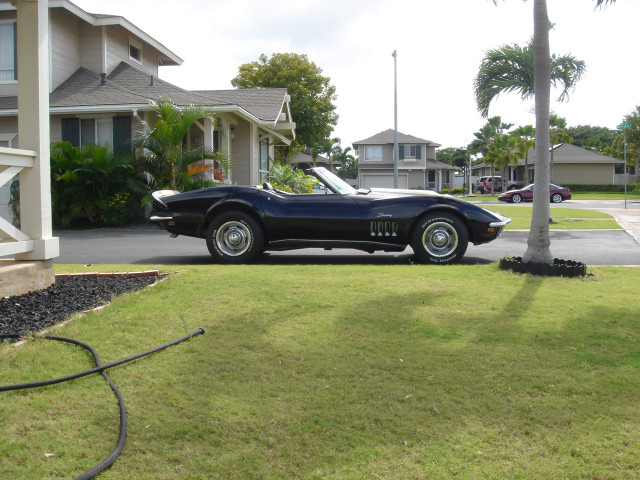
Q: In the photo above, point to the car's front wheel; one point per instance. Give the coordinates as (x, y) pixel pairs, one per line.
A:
(235, 237)
(556, 198)
(439, 238)
(516, 198)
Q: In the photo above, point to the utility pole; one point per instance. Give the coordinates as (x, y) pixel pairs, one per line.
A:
(395, 119)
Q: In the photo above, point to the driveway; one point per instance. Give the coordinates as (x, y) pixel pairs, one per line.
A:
(593, 247)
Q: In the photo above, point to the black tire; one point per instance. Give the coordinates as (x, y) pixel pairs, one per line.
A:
(516, 198)
(439, 238)
(556, 198)
(234, 237)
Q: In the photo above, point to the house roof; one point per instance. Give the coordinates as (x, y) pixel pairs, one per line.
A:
(305, 157)
(567, 153)
(387, 137)
(128, 88)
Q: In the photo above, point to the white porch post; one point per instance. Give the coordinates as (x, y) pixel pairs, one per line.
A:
(209, 124)
(33, 127)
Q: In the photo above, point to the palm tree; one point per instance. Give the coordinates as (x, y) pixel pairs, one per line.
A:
(525, 142)
(502, 152)
(346, 161)
(163, 154)
(509, 68)
(538, 241)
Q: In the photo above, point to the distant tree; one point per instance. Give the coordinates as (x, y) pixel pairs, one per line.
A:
(557, 134)
(483, 138)
(502, 152)
(591, 137)
(452, 156)
(348, 163)
(525, 141)
(312, 96)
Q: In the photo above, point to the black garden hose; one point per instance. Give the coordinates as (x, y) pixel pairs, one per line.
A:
(108, 461)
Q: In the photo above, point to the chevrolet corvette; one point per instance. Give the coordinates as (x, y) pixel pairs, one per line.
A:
(239, 222)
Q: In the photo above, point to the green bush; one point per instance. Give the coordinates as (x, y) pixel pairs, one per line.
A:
(93, 182)
(600, 188)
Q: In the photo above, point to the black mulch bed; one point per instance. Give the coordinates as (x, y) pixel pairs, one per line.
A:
(37, 310)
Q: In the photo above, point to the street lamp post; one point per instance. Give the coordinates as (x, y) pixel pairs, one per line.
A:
(395, 119)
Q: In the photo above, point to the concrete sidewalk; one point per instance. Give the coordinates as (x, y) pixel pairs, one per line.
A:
(628, 219)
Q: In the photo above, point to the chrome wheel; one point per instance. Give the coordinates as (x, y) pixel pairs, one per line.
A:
(440, 239)
(516, 198)
(233, 238)
(556, 198)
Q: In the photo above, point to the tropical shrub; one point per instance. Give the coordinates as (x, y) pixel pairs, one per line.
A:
(288, 179)
(163, 156)
(86, 181)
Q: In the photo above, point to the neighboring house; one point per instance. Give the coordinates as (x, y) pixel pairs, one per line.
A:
(571, 165)
(417, 167)
(103, 70)
(305, 160)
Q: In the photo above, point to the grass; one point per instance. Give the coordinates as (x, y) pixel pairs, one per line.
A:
(342, 372)
(563, 218)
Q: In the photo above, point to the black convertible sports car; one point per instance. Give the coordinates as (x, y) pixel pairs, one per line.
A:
(239, 223)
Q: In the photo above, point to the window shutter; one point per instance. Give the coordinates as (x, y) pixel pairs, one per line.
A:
(122, 135)
(418, 155)
(401, 152)
(71, 131)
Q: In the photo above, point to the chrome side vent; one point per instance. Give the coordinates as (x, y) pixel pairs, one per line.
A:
(384, 229)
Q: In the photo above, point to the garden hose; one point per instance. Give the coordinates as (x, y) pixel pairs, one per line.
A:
(108, 461)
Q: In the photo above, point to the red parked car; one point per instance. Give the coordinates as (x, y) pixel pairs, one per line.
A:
(556, 194)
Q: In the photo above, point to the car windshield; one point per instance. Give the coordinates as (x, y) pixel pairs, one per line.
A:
(332, 180)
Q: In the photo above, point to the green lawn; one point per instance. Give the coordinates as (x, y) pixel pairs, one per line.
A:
(563, 218)
(341, 372)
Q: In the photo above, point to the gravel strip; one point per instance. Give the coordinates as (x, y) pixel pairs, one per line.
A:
(42, 308)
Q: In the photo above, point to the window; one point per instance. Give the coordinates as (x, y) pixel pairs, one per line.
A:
(106, 131)
(8, 53)
(409, 152)
(264, 160)
(135, 50)
(373, 153)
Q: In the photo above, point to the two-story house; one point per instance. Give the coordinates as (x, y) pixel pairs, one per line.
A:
(417, 167)
(103, 71)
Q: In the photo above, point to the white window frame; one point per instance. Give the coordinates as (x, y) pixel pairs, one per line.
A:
(407, 152)
(105, 121)
(368, 158)
(137, 44)
(13, 80)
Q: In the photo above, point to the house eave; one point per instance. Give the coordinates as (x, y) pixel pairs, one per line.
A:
(114, 20)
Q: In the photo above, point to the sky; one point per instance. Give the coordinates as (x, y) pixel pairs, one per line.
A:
(440, 45)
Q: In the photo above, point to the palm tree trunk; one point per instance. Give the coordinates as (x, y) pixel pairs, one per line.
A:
(539, 241)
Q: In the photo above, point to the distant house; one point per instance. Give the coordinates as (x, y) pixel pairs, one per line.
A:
(103, 72)
(417, 167)
(571, 165)
(305, 160)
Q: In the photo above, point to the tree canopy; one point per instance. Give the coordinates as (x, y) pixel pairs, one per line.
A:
(312, 95)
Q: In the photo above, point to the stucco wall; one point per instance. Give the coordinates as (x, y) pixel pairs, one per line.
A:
(592, 174)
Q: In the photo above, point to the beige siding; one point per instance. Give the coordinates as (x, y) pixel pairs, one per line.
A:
(118, 51)
(91, 48)
(591, 174)
(65, 47)
(240, 154)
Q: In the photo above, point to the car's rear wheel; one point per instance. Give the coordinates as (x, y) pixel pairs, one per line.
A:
(516, 198)
(439, 238)
(234, 237)
(556, 198)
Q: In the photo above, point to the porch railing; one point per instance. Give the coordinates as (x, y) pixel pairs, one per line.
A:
(12, 162)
